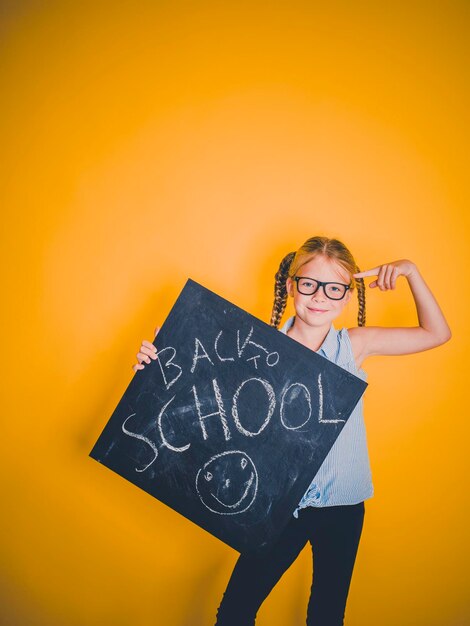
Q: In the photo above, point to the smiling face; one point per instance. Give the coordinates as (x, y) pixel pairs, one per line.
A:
(227, 484)
(318, 309)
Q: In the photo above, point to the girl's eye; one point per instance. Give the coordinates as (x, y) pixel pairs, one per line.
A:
(334, 288)
(208, 476)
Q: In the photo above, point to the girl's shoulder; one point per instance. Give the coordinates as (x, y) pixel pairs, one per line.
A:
(357, 338)
(352, 342)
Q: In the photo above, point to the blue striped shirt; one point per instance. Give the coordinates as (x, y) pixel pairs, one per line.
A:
(344, 476)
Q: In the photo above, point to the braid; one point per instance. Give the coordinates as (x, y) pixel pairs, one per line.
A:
(361, 296)
(280, 289)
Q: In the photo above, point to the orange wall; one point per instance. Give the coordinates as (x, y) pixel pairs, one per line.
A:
(145, 143)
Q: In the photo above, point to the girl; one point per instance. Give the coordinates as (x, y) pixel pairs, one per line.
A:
(320, 277)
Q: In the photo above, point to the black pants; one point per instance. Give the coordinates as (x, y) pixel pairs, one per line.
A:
(334, 533)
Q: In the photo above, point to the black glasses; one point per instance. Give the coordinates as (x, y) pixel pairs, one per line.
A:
(309, 286)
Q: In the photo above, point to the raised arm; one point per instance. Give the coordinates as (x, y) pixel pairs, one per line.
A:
(432, 331)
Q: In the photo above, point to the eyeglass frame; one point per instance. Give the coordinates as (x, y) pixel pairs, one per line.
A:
(321, 284)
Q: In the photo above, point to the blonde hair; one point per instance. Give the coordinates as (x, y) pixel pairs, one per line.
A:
(315, 246)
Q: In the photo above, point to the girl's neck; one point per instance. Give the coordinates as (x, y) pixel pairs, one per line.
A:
(310, 336)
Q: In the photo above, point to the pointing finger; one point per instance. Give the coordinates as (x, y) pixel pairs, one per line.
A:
(373, 272)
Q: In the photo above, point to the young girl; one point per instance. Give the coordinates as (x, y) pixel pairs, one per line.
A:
(320, 278)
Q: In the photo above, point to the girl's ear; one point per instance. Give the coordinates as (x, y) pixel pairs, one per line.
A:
(289, 286)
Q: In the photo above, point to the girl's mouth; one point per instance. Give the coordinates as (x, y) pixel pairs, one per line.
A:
(316, 310)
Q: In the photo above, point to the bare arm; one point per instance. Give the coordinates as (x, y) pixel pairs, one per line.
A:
(432, 331)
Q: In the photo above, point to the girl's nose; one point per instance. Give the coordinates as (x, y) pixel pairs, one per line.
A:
(319, 296)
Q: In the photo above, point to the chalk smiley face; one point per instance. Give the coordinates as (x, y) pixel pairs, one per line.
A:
(227, 484)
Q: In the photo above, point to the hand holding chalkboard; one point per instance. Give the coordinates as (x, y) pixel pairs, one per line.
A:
(147, 351)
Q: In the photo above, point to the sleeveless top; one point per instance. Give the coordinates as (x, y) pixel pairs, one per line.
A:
(344, 476)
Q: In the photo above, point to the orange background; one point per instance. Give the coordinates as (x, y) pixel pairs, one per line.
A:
(145, 143)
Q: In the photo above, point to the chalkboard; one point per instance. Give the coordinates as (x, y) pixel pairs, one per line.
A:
(230, 424)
